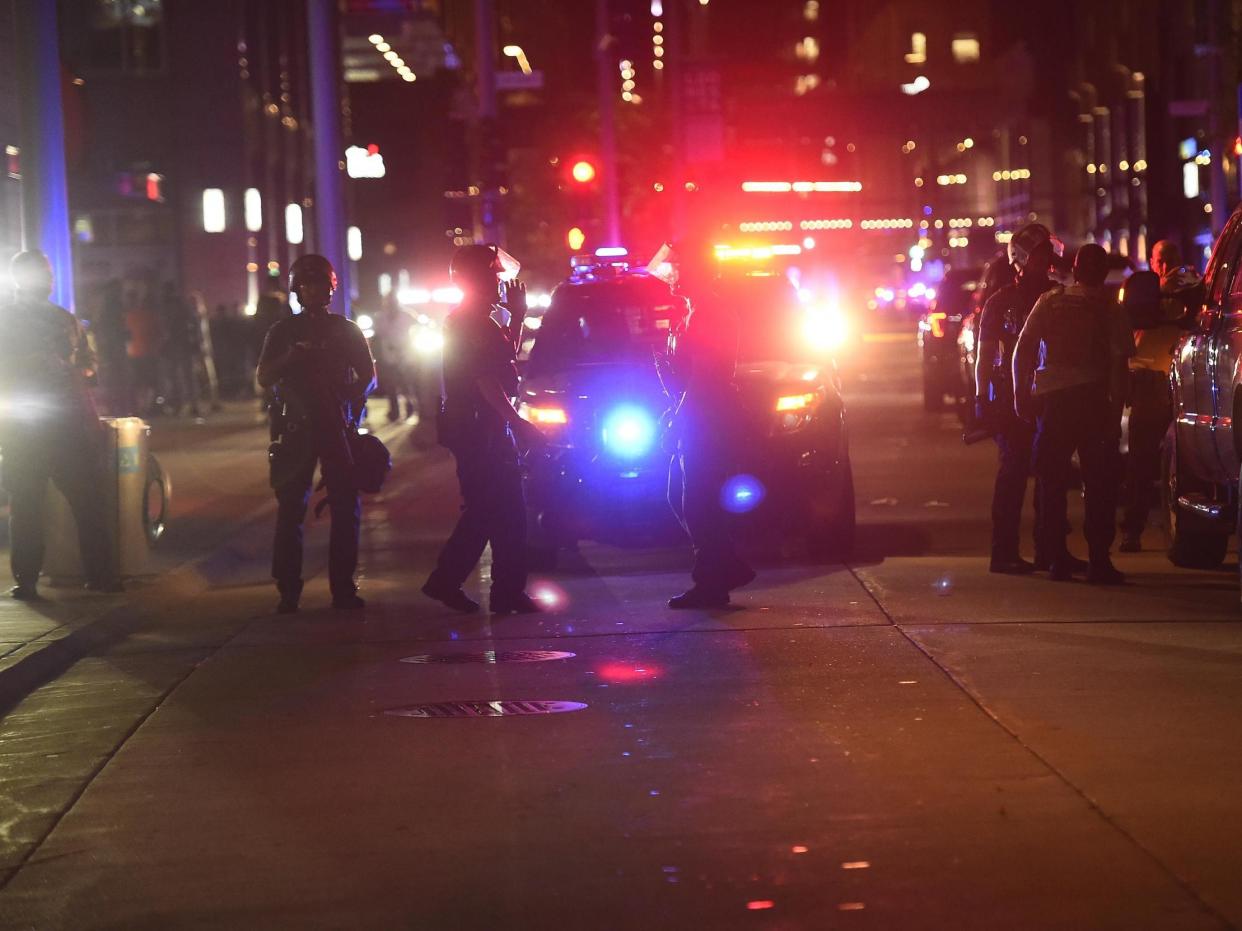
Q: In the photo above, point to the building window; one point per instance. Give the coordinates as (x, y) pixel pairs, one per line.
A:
(965, 48)
(127, 35)
(293, 224)
(807, 49)
(252, 203)
(918, 49)
(213, 210)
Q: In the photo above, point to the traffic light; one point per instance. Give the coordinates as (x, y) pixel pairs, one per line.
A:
(583, 171)
(575, 238)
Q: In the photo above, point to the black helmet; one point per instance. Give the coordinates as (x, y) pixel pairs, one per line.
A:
(1024, 243)
(311, 266)
(31, 271)
(480, 262)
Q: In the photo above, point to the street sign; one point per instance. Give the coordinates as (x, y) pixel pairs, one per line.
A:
(517, 81)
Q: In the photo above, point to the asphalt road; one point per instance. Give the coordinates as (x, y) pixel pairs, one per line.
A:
(901, 742)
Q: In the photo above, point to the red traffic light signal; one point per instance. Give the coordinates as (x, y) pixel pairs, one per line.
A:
(583, 171)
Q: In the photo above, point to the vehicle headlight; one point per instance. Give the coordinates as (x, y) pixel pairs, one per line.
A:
(366, 324)
(427, 340)
(825, 328)
(629, 432)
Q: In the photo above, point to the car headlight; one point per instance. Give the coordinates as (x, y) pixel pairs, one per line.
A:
(825, 328)
(629, 432)
(427, 340)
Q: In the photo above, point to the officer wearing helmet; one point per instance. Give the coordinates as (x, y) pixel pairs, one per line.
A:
(321, 369)
(698, 377)
(49, 429)
(1032, 252)
(479, 424)
(1071, 358)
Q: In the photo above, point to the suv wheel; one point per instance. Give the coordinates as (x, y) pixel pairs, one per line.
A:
(1189, 547)
(832, 539)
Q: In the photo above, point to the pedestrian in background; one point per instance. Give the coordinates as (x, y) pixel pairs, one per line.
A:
(1032, 251)
(179, 324)
(1151, 396)
(146, 339)
(319, 368)
(481, 427)
(1070, 376)
(49, 430)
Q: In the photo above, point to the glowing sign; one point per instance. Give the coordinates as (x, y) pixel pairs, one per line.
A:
(364, 163)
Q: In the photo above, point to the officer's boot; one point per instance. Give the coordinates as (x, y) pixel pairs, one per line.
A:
(290, 593)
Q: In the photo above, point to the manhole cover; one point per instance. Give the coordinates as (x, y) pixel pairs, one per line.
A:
(483, 709)
(491, 656)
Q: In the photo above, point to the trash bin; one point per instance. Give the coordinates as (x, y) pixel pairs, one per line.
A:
(136, 495)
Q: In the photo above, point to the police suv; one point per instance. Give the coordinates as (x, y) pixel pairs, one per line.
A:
(591, 384)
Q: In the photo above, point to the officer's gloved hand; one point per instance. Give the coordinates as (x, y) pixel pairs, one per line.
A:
(515, 301)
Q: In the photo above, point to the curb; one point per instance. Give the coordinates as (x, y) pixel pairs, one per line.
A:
(45, 660)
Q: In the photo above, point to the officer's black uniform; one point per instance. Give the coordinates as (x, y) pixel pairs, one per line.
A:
(1003, 318)
(320, 397)
(703, 356)
(1082, 342)
(49, 430)
(494, 507)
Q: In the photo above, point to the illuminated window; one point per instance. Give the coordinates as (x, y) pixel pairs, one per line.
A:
(213, 210)
(807, 49)
(126, 35)
(252, 203)
(353, 243)
(810, 10)
(965, 48)
(293, 224)
(918, 49)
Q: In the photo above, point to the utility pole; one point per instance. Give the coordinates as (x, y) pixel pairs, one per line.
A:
(329, 150)
(45, 190)
(607, 122)
(487, 128)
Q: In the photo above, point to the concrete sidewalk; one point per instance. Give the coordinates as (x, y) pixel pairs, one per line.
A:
(218, 469)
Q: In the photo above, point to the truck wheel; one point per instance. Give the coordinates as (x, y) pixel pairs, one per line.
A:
(933, 392)
(832, 540)
(1189, 546)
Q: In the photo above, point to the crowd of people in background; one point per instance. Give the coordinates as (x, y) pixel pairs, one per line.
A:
(165, 353)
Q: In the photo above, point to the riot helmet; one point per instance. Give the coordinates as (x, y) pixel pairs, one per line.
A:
(1033, 241)
(32, 273)
(313, 271)
(478, 268)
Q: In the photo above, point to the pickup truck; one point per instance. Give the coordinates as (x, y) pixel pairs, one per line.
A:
(1203, 450)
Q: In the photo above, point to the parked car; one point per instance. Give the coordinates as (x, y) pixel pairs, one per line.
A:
(1202, 454)
(939, 327)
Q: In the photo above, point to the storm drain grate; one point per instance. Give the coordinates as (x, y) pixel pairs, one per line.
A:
(484, 709)
(491, 656)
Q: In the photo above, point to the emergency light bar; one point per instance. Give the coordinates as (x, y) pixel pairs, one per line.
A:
(611, 252)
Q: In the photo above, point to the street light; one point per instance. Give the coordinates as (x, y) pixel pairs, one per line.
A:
(515, 51)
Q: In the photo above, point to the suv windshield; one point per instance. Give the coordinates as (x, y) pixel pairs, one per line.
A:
(771, 318)
(608, 321)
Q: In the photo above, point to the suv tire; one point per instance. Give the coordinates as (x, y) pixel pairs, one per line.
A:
(1189, 547)
(832, 540)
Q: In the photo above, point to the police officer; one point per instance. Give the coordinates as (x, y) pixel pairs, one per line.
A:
(1151, 398)
(479, 423)
(1081, 341)
(321, 369)
(48, 427)
(698, 376)
(1032, 251)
